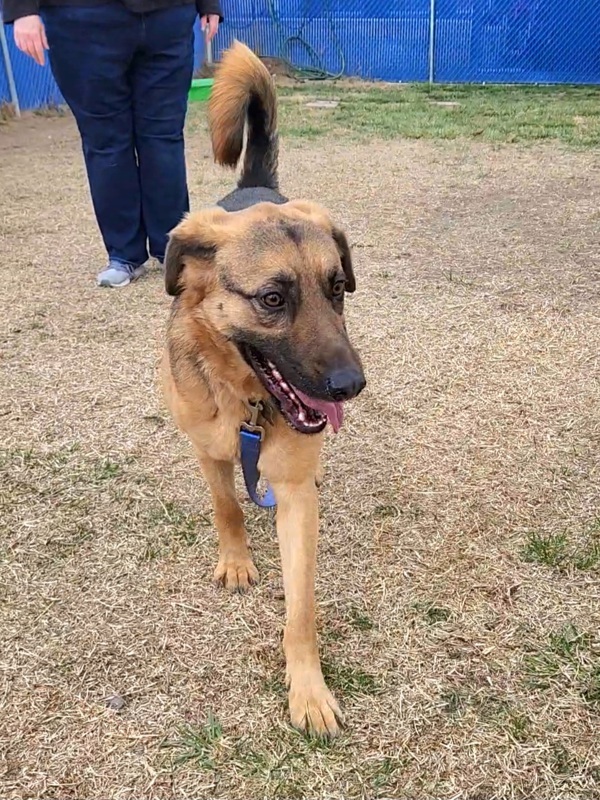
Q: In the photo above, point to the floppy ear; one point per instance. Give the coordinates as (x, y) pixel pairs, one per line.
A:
(339, 237)
(193, 244)
(320, 216)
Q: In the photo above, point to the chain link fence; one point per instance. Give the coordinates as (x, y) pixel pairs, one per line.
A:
(517, 41)
(34, 85)
(446, 41)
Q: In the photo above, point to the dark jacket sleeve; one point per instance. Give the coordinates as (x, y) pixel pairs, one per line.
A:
(206, 7)
(13, 9)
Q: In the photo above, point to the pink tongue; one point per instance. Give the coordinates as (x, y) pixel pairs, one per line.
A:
(333, 411)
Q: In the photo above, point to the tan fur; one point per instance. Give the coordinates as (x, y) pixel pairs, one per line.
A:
(207, 383)
(238, 75)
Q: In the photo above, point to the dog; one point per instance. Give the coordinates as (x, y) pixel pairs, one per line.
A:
(256, 340)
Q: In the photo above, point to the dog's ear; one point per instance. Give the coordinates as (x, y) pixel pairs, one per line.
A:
(193, 245)
(320, 216)
(339, 237)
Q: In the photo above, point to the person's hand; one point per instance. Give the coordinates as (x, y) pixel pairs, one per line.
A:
(210, 25)
(30, 37)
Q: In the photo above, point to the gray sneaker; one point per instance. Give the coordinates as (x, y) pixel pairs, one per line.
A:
(118, 274)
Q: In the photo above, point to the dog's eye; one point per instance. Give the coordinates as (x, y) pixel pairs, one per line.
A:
(272, 300)
(339, 287)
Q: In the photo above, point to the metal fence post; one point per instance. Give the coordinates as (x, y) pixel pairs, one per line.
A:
(208, 52)
(12, 87)
(431, 41)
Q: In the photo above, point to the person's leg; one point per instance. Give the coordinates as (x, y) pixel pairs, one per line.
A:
(91, 52)
(161, 78)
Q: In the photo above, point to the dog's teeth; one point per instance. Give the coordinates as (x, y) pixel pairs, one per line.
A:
(283, 384)
(302, 416)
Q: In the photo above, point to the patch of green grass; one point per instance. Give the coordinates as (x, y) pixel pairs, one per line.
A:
(588, 555)
(273, 684)
(432, 613)
(560, 551)
(561, 762)
(454, 701)
(569, 660)
(299, 129)
(591, 687)
(589, 558)
(180, 524)
(386, 512)
(196, 746)
(349, 681)
(253, 763)
(492, 707)
(518, 727)
(496, 710)
(17, 457)
(550, 550)
(318, 744)
(66, 463)
(542, 669)
(281, 767)
(152, 551)
(51, 462)
(283, 760)
(567, 642)
(360, 620)
(547, 664)
(524, 114)
(384, 770)
(106, 470)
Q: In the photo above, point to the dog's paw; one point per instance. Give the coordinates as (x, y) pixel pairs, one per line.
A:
(236, 573)
(313, 709)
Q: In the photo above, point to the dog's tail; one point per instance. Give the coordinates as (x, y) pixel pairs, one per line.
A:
(244, 93)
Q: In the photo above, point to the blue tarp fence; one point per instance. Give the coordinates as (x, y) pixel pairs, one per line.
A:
(445, 41)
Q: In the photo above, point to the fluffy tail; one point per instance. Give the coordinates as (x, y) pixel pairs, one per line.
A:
(244, 92)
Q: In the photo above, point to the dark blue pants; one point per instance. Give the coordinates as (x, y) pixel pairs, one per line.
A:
(126, 78)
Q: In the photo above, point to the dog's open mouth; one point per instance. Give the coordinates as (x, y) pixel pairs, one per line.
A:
(301, 412)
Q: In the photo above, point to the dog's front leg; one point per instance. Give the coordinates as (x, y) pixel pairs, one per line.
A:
(312, 706)
(235, 569)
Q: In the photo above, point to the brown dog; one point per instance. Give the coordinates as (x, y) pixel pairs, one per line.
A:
(257, 326)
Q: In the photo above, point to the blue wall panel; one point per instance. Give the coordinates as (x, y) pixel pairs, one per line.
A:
(4, 90)
(494, 41)
(35, 85)
(376, 48)
(382, 41)
(517, 41)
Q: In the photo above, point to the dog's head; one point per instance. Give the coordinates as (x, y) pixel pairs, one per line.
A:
(272, 280)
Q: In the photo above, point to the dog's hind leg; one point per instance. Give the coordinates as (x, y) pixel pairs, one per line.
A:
(235, 569)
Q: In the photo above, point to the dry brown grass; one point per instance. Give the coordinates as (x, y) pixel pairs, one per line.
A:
(7, 112)
(467, 668)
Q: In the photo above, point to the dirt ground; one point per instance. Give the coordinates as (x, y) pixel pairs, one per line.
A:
(459, 602)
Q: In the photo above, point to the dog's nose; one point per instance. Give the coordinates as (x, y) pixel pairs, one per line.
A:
(345, 383)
